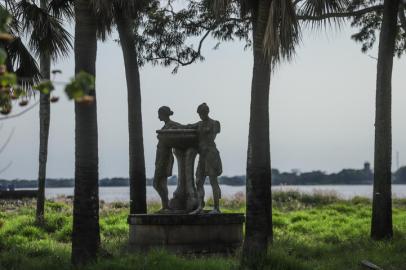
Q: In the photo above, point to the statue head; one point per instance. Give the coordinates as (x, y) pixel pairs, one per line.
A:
(203, 111)
(164, 112)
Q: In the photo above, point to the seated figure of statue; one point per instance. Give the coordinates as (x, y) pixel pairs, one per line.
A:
(164, 160)
(209, 158)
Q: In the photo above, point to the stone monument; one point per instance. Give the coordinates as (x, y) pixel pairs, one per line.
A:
(182, 224)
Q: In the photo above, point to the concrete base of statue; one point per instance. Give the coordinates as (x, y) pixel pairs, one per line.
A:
(183, 233)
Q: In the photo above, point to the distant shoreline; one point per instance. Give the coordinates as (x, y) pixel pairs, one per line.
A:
(347, 177)
(278, 185)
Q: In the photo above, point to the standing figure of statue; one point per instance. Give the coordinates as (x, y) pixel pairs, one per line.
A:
(164, 160)
(209, 158)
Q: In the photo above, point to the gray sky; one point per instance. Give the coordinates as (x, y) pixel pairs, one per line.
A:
(322, 109)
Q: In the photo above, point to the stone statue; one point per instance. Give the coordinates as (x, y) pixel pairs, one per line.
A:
(164, 159)
(186, 142)
(209, 158)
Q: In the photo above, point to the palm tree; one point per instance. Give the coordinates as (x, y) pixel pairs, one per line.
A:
(44, 121)
(61, 46)
(372, 16)
(48, 40)
(275, 33)
(381, 226)
(124, 14)
(125, 24)
(46, 53)
(86, 230)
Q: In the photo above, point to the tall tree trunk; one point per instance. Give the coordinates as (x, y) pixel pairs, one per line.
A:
(381, 226)
(138, 203)
(258, 228)
(44, 120)
(86, 231)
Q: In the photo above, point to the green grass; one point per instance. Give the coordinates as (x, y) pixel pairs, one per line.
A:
(318, 231)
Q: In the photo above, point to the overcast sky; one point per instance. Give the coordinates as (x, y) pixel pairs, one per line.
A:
(322, 109)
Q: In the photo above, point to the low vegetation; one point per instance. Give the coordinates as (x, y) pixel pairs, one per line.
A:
(318, 231)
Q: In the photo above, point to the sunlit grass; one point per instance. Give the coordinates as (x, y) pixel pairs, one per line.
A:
(319, 231)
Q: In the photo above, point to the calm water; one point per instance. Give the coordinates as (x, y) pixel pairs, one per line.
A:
(110, 194)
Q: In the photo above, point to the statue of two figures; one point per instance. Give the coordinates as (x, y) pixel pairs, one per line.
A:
(186, 142)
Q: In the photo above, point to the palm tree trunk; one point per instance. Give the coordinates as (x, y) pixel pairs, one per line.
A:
(44, 120)
(258, 228)
(381, 226)
(86, 230)
(138, 203)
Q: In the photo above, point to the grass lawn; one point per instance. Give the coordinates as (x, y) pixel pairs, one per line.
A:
(318, 231)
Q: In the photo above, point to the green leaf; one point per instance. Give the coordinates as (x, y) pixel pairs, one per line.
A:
(45, 87)
(8, 79)
(5, 20)
(82, 85)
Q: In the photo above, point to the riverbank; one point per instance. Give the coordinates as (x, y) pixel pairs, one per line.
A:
(122, 194)
(319, 231)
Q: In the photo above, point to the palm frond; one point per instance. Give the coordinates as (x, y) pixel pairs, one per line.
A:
(50, 37)
(61, 9)
(104, 12)
(282, 32)
(128, 7)
(318, 8)
(22, 62)
(47, 32)
(107, 11)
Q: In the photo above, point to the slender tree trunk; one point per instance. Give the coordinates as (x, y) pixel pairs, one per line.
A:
(138, 203)
(44, 120)
(381, 226)
(86, 231)
(258, 228)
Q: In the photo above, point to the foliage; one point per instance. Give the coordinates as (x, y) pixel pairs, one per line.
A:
(5, 20)
(165, 34)
(400, 176)
(44, 87)
(7, 80)
(369, 25)
(311, 232)
(344, 177)
(45, 33)
(81, 88)
(7, 83)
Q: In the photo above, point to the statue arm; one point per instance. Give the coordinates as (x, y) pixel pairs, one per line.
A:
(191, 126)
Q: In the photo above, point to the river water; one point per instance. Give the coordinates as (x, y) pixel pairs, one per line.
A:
(122, 194)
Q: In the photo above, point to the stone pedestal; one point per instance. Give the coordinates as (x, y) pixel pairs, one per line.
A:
(185, 196)
(184, 144)
(203, 233)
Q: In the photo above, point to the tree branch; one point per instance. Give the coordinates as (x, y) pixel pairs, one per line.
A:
(179, 61)
(341, 14)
